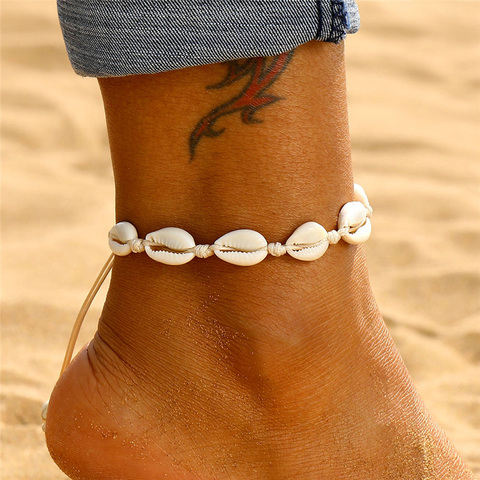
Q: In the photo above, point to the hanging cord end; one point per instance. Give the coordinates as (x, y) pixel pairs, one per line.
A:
(78, 324)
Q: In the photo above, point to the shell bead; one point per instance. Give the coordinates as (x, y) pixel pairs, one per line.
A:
(352, 215)
(361, 235)
(252, 244)
(175, 240)
(44, 411)
(309, 233)
(44, 415)
(359, 194)
(119, 236)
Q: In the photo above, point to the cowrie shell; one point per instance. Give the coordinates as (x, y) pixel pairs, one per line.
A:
(361, 235)
(308, 233)
(245, 240)
(352, 215)
(118, 237)
(44, 411)
(172, 238)
(359, 194)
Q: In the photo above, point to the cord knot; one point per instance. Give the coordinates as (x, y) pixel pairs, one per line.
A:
(203, 251)
(276, 249)
(334, 237)
(137, 245)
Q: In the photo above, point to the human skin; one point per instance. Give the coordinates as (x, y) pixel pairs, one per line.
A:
(213, 371)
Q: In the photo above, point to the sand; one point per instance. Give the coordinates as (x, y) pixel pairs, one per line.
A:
(413, 80)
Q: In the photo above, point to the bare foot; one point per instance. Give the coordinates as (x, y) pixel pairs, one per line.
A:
(237, 375)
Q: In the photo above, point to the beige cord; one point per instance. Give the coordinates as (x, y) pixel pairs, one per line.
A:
(83, 311)
(78, 325)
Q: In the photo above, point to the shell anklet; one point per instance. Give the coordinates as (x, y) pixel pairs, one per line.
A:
(174, 246)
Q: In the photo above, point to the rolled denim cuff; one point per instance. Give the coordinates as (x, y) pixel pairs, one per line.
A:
(111, 38)
(336, 19)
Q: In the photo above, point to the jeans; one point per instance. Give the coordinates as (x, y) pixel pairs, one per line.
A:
(110, 38)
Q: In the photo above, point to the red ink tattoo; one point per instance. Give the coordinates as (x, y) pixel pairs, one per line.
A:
(248, 101)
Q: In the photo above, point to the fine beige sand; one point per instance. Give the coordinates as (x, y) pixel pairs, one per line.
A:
(413, 78)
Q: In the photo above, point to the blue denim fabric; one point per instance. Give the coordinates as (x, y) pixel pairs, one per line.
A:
(109, 38)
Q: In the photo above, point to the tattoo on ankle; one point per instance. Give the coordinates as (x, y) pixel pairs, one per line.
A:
(263, 74)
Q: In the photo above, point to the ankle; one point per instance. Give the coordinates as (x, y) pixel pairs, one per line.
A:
(257, 315)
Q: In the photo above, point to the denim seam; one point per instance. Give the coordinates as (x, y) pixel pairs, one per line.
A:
(318, 33)
(340, 21)
(333, 20)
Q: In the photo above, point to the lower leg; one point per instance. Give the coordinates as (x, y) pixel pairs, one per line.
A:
(212, 371)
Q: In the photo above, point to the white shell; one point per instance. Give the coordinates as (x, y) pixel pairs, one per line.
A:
(308, 233)
(359, 194)
(118, 237)
(352, 215)
(173, 238)
(361, 235)
(246, 240)
(44, 411)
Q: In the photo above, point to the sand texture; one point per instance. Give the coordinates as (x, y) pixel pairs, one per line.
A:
(413, 80)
